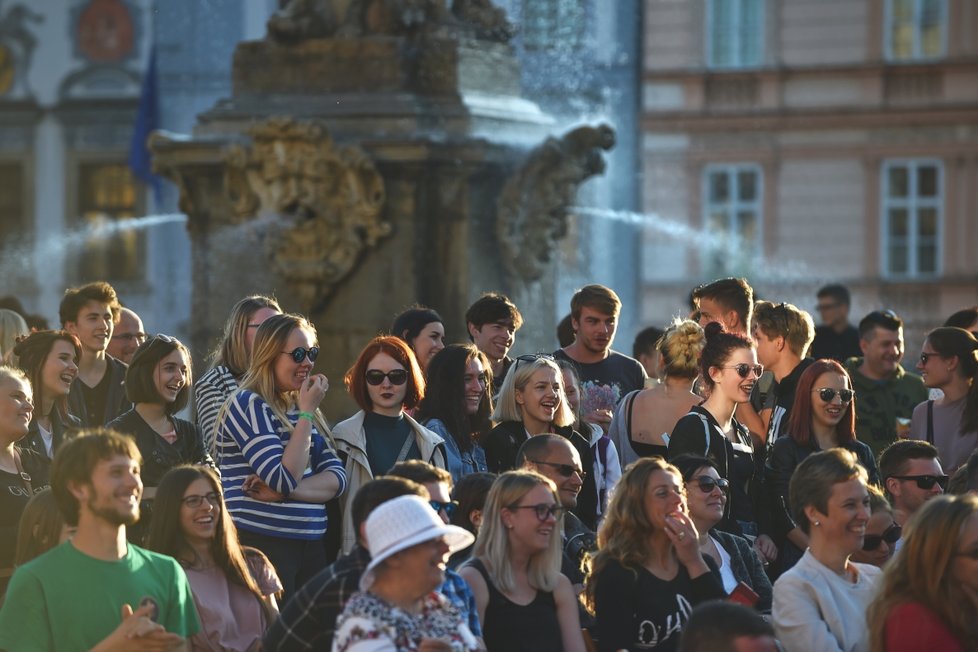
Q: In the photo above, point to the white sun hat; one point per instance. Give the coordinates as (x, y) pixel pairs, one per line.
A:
(403, 522)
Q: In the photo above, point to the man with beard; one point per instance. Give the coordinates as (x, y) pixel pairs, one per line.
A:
(96, 591)
(606, 375)
(885, 393)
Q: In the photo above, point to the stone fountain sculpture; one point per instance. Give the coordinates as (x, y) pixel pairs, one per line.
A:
(377, 153)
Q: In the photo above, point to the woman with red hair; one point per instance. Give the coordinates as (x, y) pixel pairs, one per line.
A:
(823, 416)
(385, 381)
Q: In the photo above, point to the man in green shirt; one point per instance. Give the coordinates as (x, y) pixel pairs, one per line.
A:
(885, 392)
(97, 591)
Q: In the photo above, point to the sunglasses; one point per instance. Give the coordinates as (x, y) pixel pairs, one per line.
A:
(566, 470)
(925, 482)
(706, 484)
(827, 394)
(299, 354)
(924, 357)
(449, 507)
(891, 535)
(196, 500)
(542, 511)
(532, 357)
(743, 369)
(376, 376)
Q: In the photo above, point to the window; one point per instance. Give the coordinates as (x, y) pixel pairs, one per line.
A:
(734, 33)
(732, 215)
(912, 212)
(915, 29)
(553, 24)
(107, 199)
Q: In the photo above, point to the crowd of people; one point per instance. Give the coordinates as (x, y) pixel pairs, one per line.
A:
(743, 481)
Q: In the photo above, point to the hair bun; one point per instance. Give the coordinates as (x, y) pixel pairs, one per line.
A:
(713, 329)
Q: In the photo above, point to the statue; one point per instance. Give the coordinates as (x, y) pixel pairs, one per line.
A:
(532, 212)
(18, 43)
(328, 201)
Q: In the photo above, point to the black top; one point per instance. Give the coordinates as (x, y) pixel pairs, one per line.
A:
(746, 567)
(59, 428)
(386, 439)
(605, 383)
(503, 442)
(14, 495)
(779, 399)
(645, 612)
(159, 455)
(96, 406)
(837, 346)
(511, 627)
(641, 448)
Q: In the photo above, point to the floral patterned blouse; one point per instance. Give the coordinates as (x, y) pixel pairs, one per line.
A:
(369, 624)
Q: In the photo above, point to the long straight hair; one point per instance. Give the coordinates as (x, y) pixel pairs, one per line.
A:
(958, 343)
(232, 352)
(800, 419)
(493, 546)
(444, 397)
(32, 355)
(166, 535)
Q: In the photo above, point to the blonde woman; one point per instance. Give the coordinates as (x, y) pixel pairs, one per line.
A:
(12, 327)
(278, 465)
(524, 602)
(928, 597)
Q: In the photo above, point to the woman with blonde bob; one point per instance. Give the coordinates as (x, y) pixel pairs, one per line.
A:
(648, 573)
(532, 401)
(524, 602)
(277, 460)
(928, 598)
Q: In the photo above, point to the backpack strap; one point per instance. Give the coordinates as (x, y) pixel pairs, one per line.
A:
(930, 421)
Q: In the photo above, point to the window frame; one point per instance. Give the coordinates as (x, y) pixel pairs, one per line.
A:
(912, 204)
(734, 206)
(737, 33)
(916, 56)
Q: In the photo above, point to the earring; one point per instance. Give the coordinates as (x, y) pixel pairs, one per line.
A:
(818, 524)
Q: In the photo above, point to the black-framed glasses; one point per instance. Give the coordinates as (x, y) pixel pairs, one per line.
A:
(566, 470)
(532, 357)
(449, 508)
(827, 394)
(299, 354)
(542, 511)
(706, 484)
(743, 369)
(925, 482)
(924, 357)
(891, 535)
(376, 376)
(194, 501)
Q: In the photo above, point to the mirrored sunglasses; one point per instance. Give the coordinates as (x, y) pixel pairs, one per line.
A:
(299, 354)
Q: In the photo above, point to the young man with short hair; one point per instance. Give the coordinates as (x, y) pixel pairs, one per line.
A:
(782, 334)
(98, 394)
(81, 595)
(127, 335)
(606, 375)
(644, 350)
(911, 475)
(835, 338)
(885, 392)
(492, 322)
(308, 620)
(729, 301)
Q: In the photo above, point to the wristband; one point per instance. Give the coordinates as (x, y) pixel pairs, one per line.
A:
(308, 415)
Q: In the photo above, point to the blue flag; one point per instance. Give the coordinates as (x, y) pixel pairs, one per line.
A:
(147, 120)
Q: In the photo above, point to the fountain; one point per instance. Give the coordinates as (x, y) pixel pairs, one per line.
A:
(375, 153)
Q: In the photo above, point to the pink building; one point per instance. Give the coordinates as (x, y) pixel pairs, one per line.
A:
(835, 140)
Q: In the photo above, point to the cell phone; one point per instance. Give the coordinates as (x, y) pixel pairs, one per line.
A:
(743, 594)
(154, 613)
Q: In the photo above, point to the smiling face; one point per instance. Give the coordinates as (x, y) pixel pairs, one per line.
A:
(474, 380)
(171, 374)
(728, 382)
(595, 330)
(568, 486)
(386, 398)
(705, 507)
(429, 341)
(525, 529)
(289, 374)
(60, 369)
(879, 522)
(113, 494)
(495, 338)
(421, 566)
(93, 326)
(828, 414)
(882, 351)
(540, 397)
(844, 526)
(200, 523)
(936, 372)
(16, 408)
(664, 495)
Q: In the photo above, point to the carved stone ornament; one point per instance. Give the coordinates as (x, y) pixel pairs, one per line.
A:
(532, 212)
(325, 200)
(17, 45)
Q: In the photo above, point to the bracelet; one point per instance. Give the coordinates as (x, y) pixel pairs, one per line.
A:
(308, 415)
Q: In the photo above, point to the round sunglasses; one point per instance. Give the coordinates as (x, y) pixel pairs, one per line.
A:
(827, 394)
(299, 354)
(891, 535)
(743, 369)
(376, 376)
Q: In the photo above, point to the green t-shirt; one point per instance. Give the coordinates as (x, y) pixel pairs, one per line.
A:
(65, 601)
